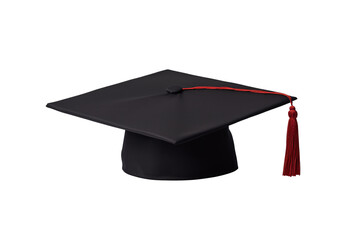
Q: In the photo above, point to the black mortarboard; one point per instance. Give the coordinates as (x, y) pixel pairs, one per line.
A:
(177, 124)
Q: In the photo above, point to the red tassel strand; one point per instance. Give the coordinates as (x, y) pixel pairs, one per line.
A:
(292, 155)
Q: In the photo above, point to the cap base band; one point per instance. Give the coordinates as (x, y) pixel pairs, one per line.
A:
(207, 156)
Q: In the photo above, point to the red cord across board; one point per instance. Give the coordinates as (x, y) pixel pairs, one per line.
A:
(239, 90)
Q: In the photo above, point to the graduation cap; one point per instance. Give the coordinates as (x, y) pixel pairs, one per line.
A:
(176, 124)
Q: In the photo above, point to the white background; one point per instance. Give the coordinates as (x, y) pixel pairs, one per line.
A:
(61, 177)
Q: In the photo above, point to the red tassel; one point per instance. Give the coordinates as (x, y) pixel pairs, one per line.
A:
(292, 155)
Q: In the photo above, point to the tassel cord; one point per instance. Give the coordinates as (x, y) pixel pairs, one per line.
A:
(292, 154)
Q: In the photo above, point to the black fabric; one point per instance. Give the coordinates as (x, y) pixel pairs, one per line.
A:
(144, 106)
(170, 133)
(208, 156)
